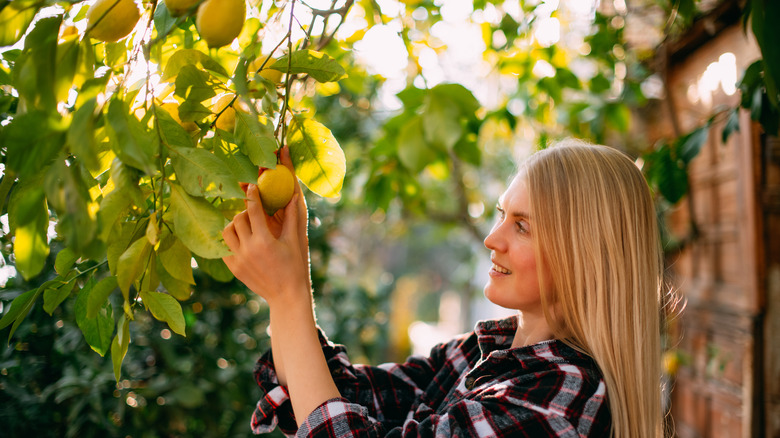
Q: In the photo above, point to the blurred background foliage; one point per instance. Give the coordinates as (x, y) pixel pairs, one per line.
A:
(429, 148)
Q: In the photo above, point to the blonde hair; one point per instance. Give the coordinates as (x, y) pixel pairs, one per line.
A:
(597, 232)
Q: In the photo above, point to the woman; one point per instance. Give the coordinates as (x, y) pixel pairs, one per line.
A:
(575, 250)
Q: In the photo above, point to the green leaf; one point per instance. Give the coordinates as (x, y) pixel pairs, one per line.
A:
(243, 169)
(180, 290)
(413, 151)
(68, 195)
(56, 291)
(29, 214)
(214, 268)
(163, 21)
(191, 57)
(317, 157)
(732, 125)
(98, 330)
(20, 307)
(119, 345)
(198, 224)
(459, 96)
(599, 84)
(66, 65)
(177, 260)
(132, 142)
(65, 260)
(318, 65)
(468, 150)
(132, 263)
(33, 73)
(32, 143)
(688, 146)
(99, 295)
(256, 139)
(81, 135)
(618, 116)
(15, 18)
(171, 132)
(201, 173)
(165, 308)
(441, 121)
(669, 174)
(192, 84)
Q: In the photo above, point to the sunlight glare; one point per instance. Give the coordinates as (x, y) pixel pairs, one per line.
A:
(382, 51)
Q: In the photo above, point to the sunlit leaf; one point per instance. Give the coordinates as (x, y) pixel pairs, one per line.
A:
(198, 224)
(119, 345)
(177, 260)
(30, 216)
(15, 18)
(97, 330)
(56, 291)
(99, 295)
(201, 173)
(132, 263)
(192, 84)
(165, 308)
(191, 57)
(133, 144)
(318, 65)
(317, 157)
(255, 136)
(181, 290)
(81, 135)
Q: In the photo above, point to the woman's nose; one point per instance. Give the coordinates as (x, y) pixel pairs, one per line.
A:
(493, 240)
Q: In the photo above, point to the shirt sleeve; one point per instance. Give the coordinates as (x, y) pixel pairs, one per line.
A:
(386, 393)
(337, 418)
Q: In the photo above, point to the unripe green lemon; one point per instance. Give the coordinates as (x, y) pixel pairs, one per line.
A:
(226, 120)
(276, 188)
(178, 7)
(220, 21)
(112, 20)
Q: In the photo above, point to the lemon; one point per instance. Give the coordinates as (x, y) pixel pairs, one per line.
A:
(220, 21)
(226, 120)
(173, 110)
(179, 7)
(112, 20)
(276, 188)
(272, 75)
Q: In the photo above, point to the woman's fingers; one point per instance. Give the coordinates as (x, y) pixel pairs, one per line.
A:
(230, 237)
(254, 209)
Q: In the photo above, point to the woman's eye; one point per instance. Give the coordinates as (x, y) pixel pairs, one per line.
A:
(522, 226)
(501, 212)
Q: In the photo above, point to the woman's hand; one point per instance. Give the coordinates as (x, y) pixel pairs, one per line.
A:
(271, 253)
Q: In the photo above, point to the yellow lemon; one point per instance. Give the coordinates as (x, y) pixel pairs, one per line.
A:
(112, 20)
(226, 120)
(173, 110)
(272, 75)
(179, 7)
(220, 21)
(276, 188)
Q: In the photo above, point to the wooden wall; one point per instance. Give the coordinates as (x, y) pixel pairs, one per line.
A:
(724, 389)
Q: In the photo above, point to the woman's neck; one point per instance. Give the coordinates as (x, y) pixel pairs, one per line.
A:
(531, 329)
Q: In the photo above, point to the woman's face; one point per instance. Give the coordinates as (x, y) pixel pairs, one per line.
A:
(514, 279)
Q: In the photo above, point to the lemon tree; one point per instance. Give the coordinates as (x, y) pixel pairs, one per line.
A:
(130, 128)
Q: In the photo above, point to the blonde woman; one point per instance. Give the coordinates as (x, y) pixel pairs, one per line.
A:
(575, 251)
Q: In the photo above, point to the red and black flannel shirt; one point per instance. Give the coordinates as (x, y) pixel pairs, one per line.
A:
(472, 386)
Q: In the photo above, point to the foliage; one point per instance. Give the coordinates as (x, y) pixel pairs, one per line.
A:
(137, 193)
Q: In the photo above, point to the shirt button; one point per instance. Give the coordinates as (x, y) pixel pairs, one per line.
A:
(470, 382)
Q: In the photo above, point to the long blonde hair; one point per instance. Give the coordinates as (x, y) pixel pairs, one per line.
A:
(597, 233)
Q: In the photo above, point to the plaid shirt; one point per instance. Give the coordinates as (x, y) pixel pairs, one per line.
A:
(472, 386)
